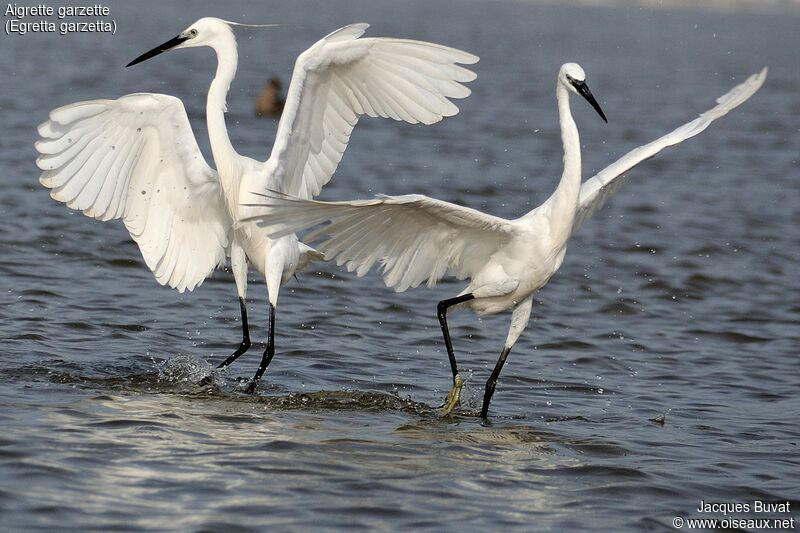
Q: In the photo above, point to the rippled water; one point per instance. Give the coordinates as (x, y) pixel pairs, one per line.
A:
(660, 367)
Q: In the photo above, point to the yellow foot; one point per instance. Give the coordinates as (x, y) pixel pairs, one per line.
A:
(453, 396)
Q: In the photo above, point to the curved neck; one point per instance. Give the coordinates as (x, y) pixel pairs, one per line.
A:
(564, 200)
(227, 58)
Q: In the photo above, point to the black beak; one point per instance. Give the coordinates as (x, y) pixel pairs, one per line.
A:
(172, 43)
(584, 91)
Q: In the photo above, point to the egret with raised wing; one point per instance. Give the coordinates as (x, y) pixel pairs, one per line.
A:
(417, 238)
(136, 157)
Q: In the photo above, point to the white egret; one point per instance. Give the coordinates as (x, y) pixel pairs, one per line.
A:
(136, 158)
(416, 237)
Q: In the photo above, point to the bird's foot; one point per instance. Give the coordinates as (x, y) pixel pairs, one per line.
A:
(453, 396)
(251, 387)
(206, 381)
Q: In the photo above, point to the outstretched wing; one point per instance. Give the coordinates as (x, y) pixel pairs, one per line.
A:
(136, 158)
(415, 237)
(342, 77)
(596, 190)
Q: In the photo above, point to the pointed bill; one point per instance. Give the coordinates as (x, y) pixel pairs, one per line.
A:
(161, 48)
(584, 91)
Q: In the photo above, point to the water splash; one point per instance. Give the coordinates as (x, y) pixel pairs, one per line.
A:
(185, 372)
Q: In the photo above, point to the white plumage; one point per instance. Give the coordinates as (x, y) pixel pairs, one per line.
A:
(417, 238)
(136, 158)
(341, 78)
(596, 190)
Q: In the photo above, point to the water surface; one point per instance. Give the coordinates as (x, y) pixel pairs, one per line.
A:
(677, 303)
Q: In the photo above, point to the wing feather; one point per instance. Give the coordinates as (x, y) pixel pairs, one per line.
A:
(342, 77)
(136, 158)
(598, 189)
(415, 237)
(105, 196)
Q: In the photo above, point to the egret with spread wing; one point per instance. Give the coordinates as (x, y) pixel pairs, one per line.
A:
(417, 238)
(136, 158)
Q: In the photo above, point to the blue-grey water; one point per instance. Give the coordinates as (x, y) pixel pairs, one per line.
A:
(677, 303)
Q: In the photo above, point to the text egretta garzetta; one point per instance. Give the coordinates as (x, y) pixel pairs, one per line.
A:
(136, 158)
(417, 238)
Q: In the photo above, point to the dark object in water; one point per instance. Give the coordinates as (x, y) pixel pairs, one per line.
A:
(270, 102)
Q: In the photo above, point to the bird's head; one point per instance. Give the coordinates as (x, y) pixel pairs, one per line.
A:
(573, 78)
(204, 32)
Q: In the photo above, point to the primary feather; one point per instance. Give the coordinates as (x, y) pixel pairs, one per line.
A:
(343, 77)
(599, 188)
(415, 237)
(136, 158)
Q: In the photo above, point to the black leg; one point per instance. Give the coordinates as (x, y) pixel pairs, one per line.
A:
(492, 382)
(245, 345)
(269, 353)
(441, 312)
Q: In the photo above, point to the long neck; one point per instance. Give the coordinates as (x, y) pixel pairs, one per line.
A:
(564, 201)
(227, 57)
